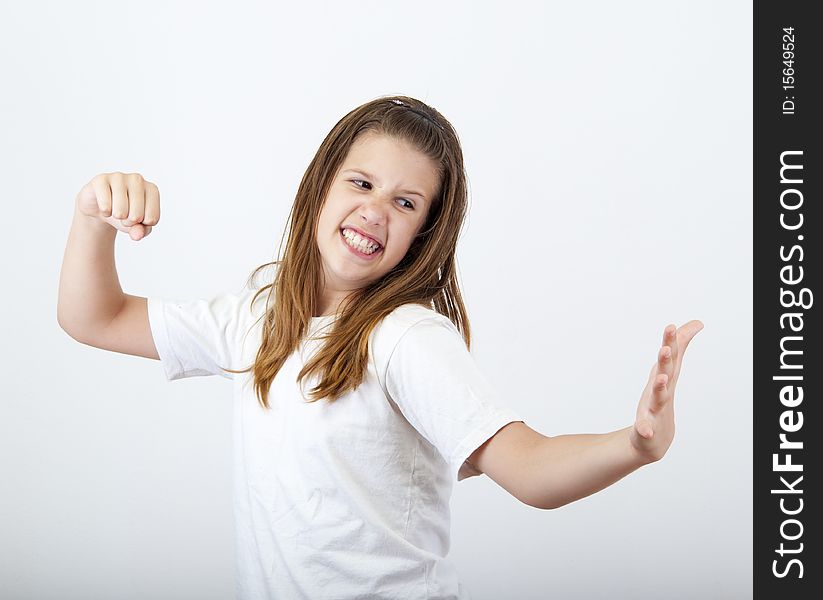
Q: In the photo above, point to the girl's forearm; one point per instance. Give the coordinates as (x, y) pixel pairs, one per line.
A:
(90, 294)
(565, 468)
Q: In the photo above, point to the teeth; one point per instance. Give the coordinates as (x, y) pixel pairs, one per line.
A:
(362, 244)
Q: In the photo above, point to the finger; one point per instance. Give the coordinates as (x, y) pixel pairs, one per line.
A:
(685, 335)
(670, 339)
(687, 332)
(665, 361)
(119, 196)
(137, 199)
(152, 212)
(102, 191)
(660, 393)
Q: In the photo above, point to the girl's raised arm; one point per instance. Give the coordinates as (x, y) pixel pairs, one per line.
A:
(91, 305)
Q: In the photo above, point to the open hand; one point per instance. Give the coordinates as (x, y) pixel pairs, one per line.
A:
(653, 429)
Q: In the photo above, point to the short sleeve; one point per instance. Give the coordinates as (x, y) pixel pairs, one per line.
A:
(436, 384)
(197, 337)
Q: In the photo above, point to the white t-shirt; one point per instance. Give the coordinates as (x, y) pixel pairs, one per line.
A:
(349, 499)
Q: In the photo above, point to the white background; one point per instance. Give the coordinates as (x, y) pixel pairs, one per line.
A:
(608, 147)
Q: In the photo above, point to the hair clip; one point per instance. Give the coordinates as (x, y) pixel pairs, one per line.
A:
(429, 118)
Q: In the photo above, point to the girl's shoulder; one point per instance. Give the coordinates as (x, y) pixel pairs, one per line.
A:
(405, 316)
(420, 328)
(414, 311)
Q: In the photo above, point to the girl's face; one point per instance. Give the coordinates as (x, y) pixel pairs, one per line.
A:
(381, 193)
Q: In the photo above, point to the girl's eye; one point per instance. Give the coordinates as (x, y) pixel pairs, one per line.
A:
(357, 182)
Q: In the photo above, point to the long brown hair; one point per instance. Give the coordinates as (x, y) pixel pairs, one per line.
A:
(426, 275)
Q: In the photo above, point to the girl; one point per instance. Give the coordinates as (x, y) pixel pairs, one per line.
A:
(349, 496)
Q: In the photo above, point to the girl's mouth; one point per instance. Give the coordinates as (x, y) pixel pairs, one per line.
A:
(366, 253)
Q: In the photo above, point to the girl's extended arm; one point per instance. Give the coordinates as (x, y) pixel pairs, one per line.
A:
(548, 472)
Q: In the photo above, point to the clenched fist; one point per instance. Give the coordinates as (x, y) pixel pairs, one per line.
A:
(125, 201)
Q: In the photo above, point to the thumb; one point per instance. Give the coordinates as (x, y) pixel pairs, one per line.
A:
(138, 231)
(644, 428)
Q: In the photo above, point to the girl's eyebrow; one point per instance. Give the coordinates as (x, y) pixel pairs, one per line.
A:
(373, 178)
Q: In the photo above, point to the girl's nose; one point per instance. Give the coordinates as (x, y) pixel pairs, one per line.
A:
(373, 210)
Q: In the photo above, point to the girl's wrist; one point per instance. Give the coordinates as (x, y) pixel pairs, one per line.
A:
(93, 224)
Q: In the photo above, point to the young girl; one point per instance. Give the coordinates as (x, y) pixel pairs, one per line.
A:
(357, 404)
